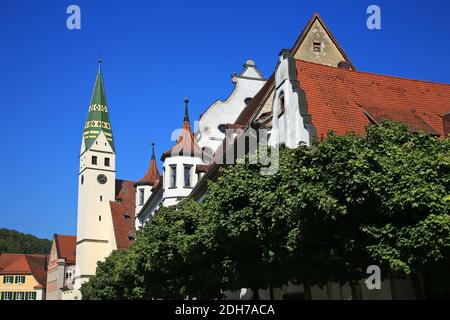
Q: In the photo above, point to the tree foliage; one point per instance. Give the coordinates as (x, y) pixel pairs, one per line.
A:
(12, 241)
(329, 212)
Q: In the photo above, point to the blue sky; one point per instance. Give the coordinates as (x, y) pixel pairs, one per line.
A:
(155, 54)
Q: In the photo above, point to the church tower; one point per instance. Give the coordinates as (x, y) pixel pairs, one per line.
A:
(96, 187)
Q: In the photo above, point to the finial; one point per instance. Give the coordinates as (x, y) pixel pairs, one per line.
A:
(153, 150)
(100, 60)
(186, 113)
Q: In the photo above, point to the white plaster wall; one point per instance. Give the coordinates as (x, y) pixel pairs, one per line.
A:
(247, 84)
(288, 128)
(147, 193)
(93, 202)
(170, 195)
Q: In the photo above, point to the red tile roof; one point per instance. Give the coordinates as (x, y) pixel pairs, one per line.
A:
(152, 175)
(66, 246)
(186, 144)
(123, 213)
(24, 264)
(342, 100)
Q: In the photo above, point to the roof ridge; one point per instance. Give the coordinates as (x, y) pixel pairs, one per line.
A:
(309, 25)
(374, 74)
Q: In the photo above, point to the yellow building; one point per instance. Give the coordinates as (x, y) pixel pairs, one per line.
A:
(22, 276)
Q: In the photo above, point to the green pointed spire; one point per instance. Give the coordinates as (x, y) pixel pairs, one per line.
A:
(98, 118)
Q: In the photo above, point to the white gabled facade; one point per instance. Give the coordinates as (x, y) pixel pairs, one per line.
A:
(291, 123)
(211, 125)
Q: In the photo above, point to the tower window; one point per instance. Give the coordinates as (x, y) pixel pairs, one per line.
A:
(317, 46)
(106, 162)
(187, 175)
(82, 179)
(173, 176)
(99, 218)
(94, 159)
(141, 197)
(101, 198)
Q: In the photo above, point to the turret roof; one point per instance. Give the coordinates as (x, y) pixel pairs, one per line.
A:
(185, 144)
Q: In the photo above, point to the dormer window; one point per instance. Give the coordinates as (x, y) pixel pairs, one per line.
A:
(317, 46)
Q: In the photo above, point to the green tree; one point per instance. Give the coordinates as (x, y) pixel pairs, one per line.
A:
(329, 212)
(12, 241)
(108, 283)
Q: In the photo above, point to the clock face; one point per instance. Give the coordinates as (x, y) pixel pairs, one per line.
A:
(102, 179)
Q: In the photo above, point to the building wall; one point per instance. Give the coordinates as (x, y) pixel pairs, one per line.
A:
(147, 193)
(95, 233)
(329, 54)
(247, 84)
(23, 288)
(171, 195)
(291, 127)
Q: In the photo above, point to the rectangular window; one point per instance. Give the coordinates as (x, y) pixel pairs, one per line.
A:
(32, 296)
(106, 162)
(141, 197)
(282, 106)
(173, 176)
(8, 279)
(7, 296)
(20, 279)
(317, 46)
(94, 159)
(68, 275)
(19, 296)
(187, 176)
